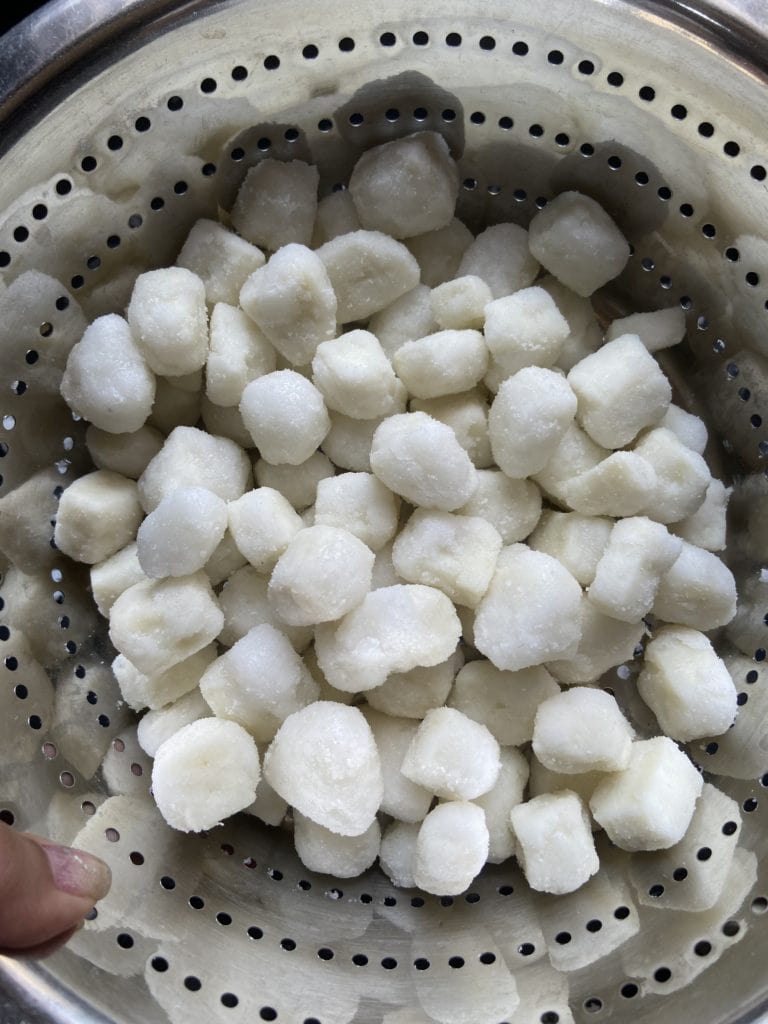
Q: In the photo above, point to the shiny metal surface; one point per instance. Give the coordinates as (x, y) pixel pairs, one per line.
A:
(235, 910)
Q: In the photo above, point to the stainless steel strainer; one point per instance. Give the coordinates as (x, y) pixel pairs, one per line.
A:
(123, 123)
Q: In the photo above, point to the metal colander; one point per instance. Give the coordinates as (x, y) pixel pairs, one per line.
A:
(126, 121)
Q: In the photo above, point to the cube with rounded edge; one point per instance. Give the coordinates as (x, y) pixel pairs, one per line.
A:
(707, 526)
(617, 486)
(158, 689)
(513, 507)
(263, 524)
(576, 240)
(114, 575)
(404, 319)
(276, 203)
(98, 514)
(360, 503)
(180, 535)
(525, 329)
(682, 476)
(297, 484)
(575, 540)
(336, 215)
(367, 271)
(585, 333)
(222, 259)
(225, 559)
(244, 602)
(575, 454)
(467, 416)
(155, 727)
(397, 852)
(238, 354)
(204, 773)
(451, 848)
(439, 252)
(286, 416)
(544, 780)
(329, 853)
(504, 702)
(348, 443)
(553, 842)
(413, 693)
(355, 377)
(698, 591)
(499, 801)
(500, 256)
(689, 429)
(445, 363)
(324, 762)
(605, 642)
(126, 454)
(582, 730)
(169, 320)
(660, 329)
(686, 684)
(460, 303)
(452, 756)
(402, 799)
(530, 612)
(407, 186)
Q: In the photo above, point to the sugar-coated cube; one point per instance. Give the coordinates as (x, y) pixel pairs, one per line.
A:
(575, 540)
(384, 574)
(115, 402)
(191, 458)
(263, 523)
(544, 780)
(169, 320)
(445, 363)
(456, 554)
(525, 329)
(225, 421)
(291, 300)
(582, 730)
(413, 693)
(420, 459)
(268, 806)
(225, 559)
(439, 252)
(297, 484)
(98, 514)
(513, 507)
(244, 602)
(367, 270)
(222, 259)
(575, 454)
(355, 377)
(286, 416)
(698, 591)
(406, 318)
(504, 702)
(648, 805)
(348, 443)
(393, 629)
(682, 476)
(238, 353)
(497, 803)
(158, 623)
(174, 406)
(407, 186)
(323, 573)
(659, 329)
(155, 727)
(324, 762)
(360, 503)
(576, 240)
(605, 642)
(205, 772)
(277, 203)
(553, 842)
(452, 756)
(620, 389)
(403, 799)
(180, 535)
(528, 419)
(500, 256)
(689, 429)
(158, 689)
(460, 303)
(530, 612)
(686, 684)
(258, 682)
(617, 486)
(329, 853)
(585, 334)
(336, 215)
(126, 454)
(398, 849)
(451, 848)
(638, 553)
(707, 526)
(467, 416)
(114, 575)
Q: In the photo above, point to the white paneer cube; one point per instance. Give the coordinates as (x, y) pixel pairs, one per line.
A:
(268, 806)
(404, 319)
(115, 402)
(126, 454)
(393, 629)
(114, 575)
(525, 329)
(360, 503)
(181, 534)
(336, 215)
(575, 540)
(513, 507)
(686, 685)
(648, 805)
(621, 389)
(499, 801)
(155, 727)
(582, 730)
(467, 416)
(262, 524)
(277, 203)
(456, 554)
(220, 258)
(543, 780)
(530, 612)
(575, 454)
(420, 459)
(661, 329)
(451, 848)
(158, 623)
(156, 690)
(286, 416)
(452, 756)
(297, 484)
(460, 303)
(605, 643)
(585, 334)
(528, 418)
(398, 849)
(324, 573)
(638, 553)
(682, 476)
(689, 429)
(244, 602)
(407, 186)
(576, 240)
(258, 682)
(617, 486)
(553, 842)
(504, 702)
(174, 406)
(169, 321)
(439, 252)
(292, 302)
(328, 853)
(238, 354)
(367, 270)
(698, 591)
(402, 799)
(191, 457)
(707, 526)
(324, 762)
(348, 443)
(98, 514)
(413, 693)
(225, 559)
(445, 363)
(500, 256)
(355, 377)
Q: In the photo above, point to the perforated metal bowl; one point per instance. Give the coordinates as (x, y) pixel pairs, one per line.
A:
(123, 123)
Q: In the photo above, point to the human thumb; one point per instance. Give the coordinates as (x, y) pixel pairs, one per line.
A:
(45, 891)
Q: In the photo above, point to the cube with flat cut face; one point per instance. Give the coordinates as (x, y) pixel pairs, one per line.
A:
(554, 842)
